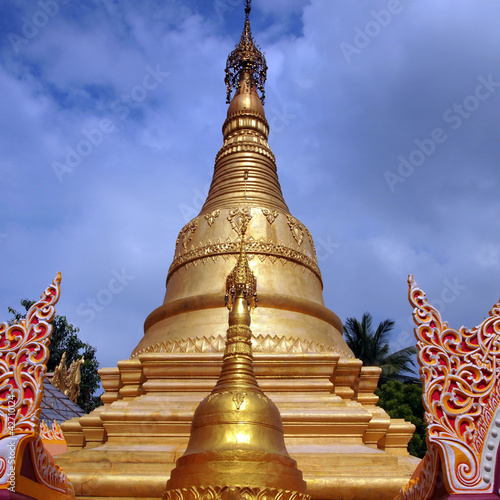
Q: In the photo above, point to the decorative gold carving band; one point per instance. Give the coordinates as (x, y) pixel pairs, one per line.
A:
(53, 434)
(260, 343)
(47, 471)
(244, 120)
(260, 248)
(232, 493)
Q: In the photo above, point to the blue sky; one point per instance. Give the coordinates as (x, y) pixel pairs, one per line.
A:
(385, 125)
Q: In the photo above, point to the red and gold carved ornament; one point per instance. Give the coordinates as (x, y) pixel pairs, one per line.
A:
(422, 484)
(23, 356)
(460, 374)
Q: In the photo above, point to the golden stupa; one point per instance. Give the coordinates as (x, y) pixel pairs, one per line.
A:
(345, 446)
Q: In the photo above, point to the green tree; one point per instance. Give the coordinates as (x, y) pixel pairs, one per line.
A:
(372, 347)
(64, 338)
(405, 401)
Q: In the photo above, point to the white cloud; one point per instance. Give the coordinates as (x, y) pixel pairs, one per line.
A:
(488, 256)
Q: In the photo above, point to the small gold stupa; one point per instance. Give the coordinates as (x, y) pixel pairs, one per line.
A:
(237, 447)
(345, 445)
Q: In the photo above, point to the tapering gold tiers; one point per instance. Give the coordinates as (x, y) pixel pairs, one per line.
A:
(345, 446)
(245, 190)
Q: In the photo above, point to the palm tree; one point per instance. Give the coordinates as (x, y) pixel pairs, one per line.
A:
(372, 348)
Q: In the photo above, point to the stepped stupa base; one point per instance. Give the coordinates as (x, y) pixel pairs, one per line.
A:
(345, 446)
(355, 472)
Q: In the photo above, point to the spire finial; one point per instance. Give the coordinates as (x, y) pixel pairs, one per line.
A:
(246, 61)
(241, 281)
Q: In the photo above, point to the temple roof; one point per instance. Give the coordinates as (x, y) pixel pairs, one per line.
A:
(57, 406)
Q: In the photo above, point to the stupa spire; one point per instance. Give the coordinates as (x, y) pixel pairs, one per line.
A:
(241, 281)
(247, 61)
(241, 294)
(245, 134)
